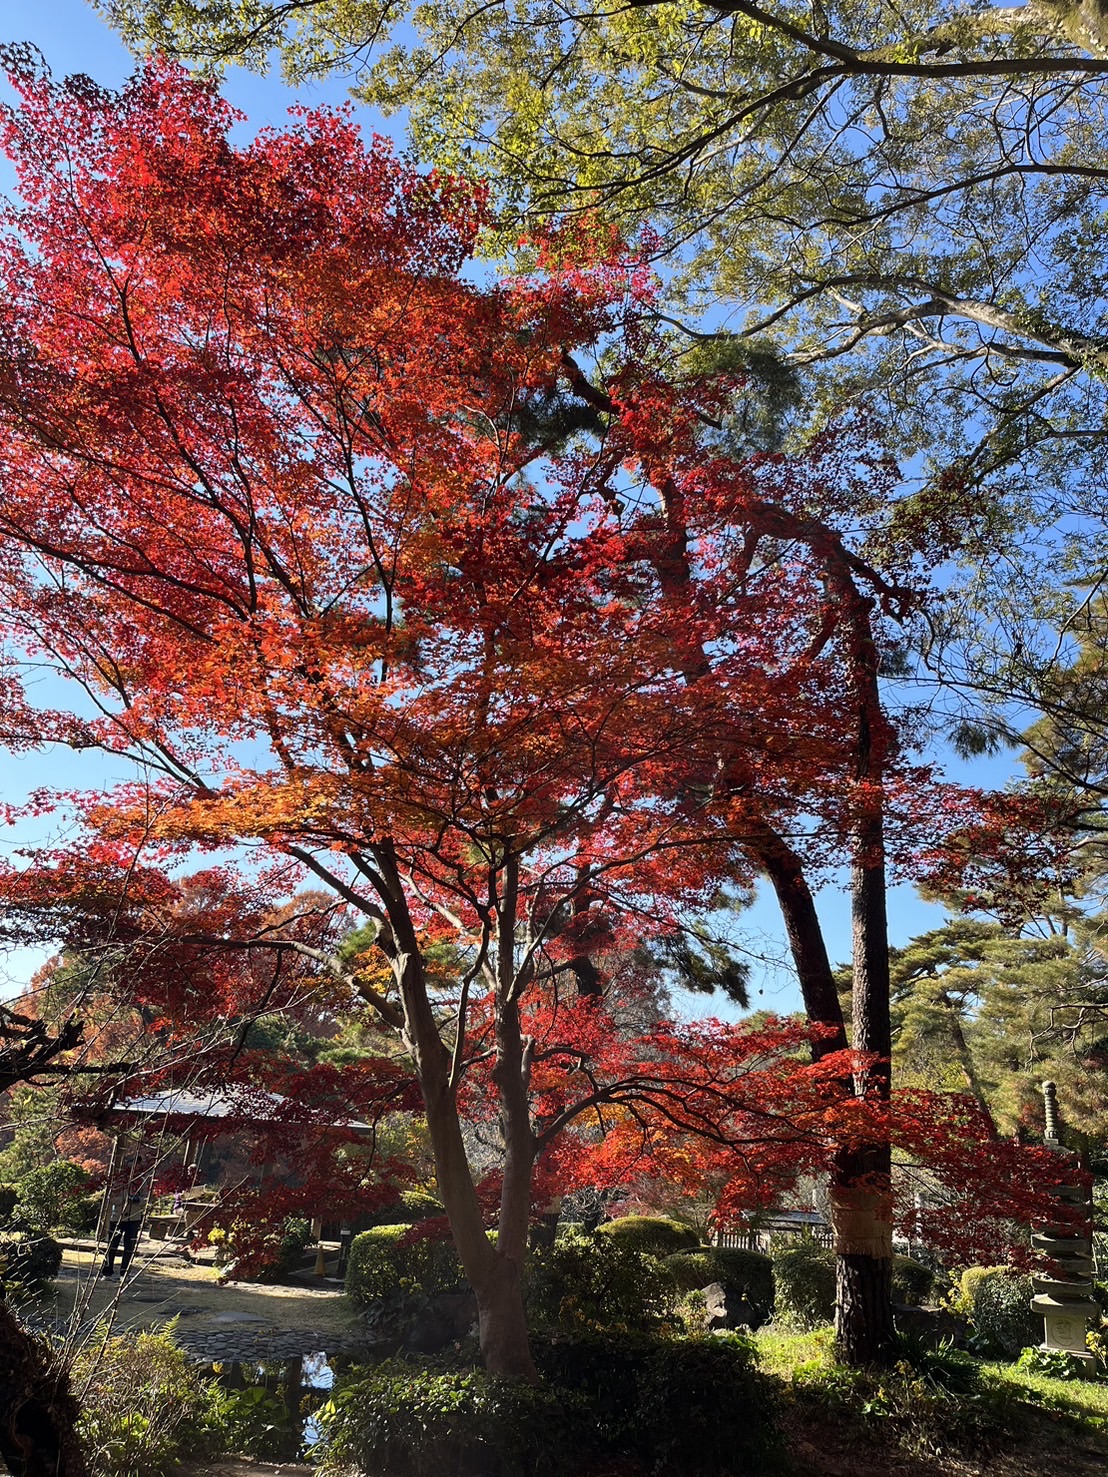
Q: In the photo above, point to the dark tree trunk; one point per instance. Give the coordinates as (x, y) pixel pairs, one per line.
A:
(861, 1193)
(502, 1323)
(864, 1332)
(38, 1411)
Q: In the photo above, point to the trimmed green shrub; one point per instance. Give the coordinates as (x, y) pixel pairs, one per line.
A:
(28, 1260)
(387, 1261)
(596, 1281)
(912, 1281)
(695, 1407)
(655, 1235)
(144, 1405)
(410, 1420)
(410, 1207)
(804, 1276)
(998, 1302)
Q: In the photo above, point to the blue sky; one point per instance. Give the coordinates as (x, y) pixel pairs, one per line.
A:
(73, 38)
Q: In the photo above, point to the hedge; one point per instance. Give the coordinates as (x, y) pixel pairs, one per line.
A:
(410, 1207)
(674, 1407)
(594, 1281)
(912, 1281)
(411, 1420)
(654, 1235)
(998, 1302)
(682, 1407)
(388, 1260)
(804, 1277)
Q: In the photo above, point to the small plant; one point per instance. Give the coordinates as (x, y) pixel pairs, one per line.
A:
(691, 1312)
(254, 1422)
(1056, 1364)
(144, 1405)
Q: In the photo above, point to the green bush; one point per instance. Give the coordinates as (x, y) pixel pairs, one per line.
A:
(28, 1260)
(384, 1263)
(998, 1302)
(804, 1277)
(261, 1253)
(596, 1281)
(672, 1407)
(49, 1195)
(83, 1213)
(654, 1235)
(294, 1239)
(1056, 1364)
(694, 1407)
(144, 1405)
(410, 1420)
(410, 1207)
(912, 1281)
(747, 1274)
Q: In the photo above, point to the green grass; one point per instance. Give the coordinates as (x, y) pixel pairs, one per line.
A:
(931, 1404)
(1085, 1401)
(780, 1351)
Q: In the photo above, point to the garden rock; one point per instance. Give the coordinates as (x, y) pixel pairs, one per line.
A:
(931, 1325)
(727, 1308)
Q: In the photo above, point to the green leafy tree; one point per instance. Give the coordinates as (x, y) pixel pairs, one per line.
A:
(902, 194)
(982, 1008)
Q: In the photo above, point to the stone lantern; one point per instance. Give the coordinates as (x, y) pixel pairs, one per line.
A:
(1065, 1300)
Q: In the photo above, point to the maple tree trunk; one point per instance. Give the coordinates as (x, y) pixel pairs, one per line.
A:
(806, 941)
(38, 1411)
(494, 1273)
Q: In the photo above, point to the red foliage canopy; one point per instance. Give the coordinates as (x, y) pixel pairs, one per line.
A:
(352, 561)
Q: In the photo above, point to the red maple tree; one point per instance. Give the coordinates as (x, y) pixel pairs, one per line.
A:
(366, 575)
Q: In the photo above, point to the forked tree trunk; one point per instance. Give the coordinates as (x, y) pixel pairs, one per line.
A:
(502, 1323)
(38, 1411)
(494, 1273)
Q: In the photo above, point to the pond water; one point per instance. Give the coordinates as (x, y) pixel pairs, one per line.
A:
(270, 1407)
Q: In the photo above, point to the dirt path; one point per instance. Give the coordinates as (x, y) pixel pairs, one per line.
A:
(236, 1320)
